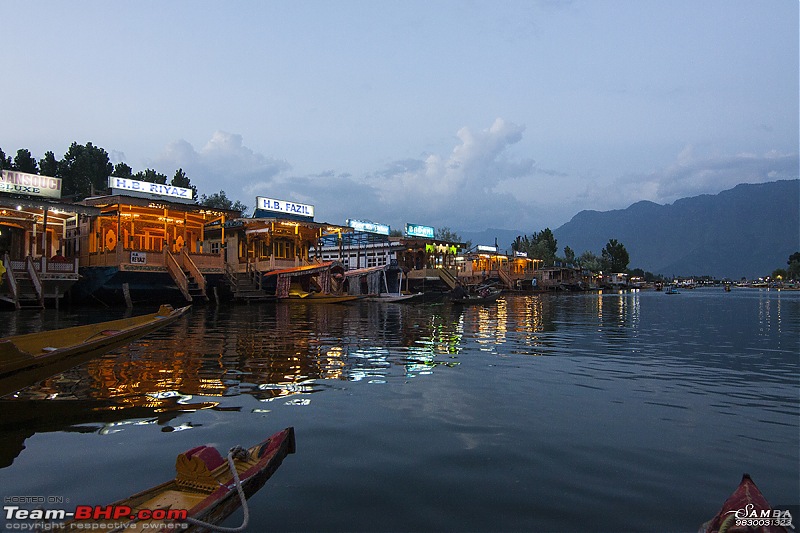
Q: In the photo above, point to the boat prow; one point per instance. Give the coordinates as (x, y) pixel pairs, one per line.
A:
(747, 498)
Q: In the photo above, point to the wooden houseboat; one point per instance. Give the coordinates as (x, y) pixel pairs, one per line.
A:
(430, 263)
(148, 246)
(36, 256)
(486, 264)
(281, 235)
(564, 278)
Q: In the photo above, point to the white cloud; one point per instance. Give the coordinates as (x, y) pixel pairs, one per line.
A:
(224, 163)
(692, 174)
(478, 185)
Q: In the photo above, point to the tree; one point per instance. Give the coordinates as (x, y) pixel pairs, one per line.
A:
(569, 255)
(616, 256)
(541, 245)
(151, 176)
(181, 180)
(5, 162)
(24, 162)
(121, 170)
(84, 169)
(590, 261)
(48, 165)
(446, 234)
(793, 272)
(220, 201)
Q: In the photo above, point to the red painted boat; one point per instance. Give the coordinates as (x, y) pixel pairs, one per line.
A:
(745, 511)
(203, 493)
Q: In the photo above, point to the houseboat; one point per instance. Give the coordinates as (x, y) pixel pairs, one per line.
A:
(430, 263)
(486, 264)
(281, 235)
(148, 243)
(36, 252)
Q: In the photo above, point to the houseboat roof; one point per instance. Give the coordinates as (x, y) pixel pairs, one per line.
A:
(120, 199)
(41, 204)
(305, 269)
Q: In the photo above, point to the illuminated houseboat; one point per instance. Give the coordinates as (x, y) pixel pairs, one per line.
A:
(281, 235)
(430, 263)
(35, 248)
(148, 243)
(486, 263)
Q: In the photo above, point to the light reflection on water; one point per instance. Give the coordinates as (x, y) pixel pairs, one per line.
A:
(609, 401)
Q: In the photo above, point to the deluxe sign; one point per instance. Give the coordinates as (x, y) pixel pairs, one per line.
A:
(149, 188)
(284, 206)
(415, 230)
(370, 227)
(30, 184)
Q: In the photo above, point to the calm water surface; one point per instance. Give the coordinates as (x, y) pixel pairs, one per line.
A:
(615, 412)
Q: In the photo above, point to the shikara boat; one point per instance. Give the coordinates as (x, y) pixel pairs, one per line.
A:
(316, 283)
(204, 491)
(484, 297)
(746, 502)
(26, 359)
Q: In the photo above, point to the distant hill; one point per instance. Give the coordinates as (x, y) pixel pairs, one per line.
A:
(747, 231)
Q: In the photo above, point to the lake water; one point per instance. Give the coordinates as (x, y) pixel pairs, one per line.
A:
(636, 411)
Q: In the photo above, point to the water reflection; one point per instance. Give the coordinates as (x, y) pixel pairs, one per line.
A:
(268, 351)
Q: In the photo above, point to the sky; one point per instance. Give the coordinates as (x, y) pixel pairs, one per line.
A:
(461, 114)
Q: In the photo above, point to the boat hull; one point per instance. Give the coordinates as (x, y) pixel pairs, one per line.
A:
(26, 359)
(209, 506)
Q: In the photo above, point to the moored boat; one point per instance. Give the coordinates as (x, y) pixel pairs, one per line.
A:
(26, 359)
(206, 489)
(315, 283)
(485, 296)
(747, 510)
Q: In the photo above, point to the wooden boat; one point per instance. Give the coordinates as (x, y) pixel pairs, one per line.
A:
(26, 359)
(672, 290)
(404, 298)
(204, 489)
(316, 283)
(484, 297)
(744, 501)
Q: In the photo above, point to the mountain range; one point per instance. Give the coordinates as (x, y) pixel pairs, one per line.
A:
(747, 231)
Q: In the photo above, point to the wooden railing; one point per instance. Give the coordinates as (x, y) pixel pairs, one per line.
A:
(254, 273)
(177, 274)
(11, 279)
(191, 267)
(35, 279)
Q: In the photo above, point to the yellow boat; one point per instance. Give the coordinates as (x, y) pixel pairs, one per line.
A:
(204, 491)
(26, 359)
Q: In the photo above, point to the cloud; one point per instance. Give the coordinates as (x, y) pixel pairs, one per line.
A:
(477, 185)
(224, 163)
(463, 189)
(692, 174)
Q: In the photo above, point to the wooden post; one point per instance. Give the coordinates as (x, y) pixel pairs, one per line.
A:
(127, 294)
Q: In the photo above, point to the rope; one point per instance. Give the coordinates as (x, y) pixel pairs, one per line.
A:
(241, 453)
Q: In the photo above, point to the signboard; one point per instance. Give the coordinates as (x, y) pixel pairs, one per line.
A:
(15, 182)
(483, 248)
(124, 184)
(138, 258)
(284, 206)
(520, 254)
(370, 227)
(415, 230)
